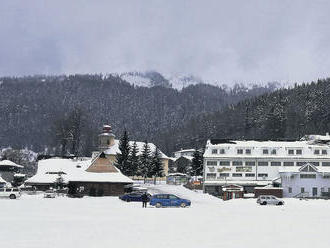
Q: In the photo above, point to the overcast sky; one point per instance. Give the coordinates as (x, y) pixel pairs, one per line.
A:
(223, 41)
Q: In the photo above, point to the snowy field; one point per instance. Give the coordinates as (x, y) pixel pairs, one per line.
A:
(36, 222)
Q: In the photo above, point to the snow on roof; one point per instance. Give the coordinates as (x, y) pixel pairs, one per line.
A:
(177, 174)
(10, 163)
(256, 143)
(238, 182)
(295, 169)
(186, 150)
(2, 180)
(19, 175)
(72, 170)
(269, 186)
(113, 150)
(116, 177)
(186, 157)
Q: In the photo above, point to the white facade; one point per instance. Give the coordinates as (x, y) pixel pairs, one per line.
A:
(258, 162)
(306, 181)
(184, 153)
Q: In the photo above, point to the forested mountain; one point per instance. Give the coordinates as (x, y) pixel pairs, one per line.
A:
(282, 114)
(49, 111)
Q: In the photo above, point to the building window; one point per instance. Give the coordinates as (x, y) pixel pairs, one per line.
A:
(225, 163)
(298, 152)
(214, 163)
(288, 163)
(308, 176)
(265, 151)
(290, 190)
(273, 152)
(248, 151)
(302, 190)
(211, 175)
(250, 163)
(237, 163)
(315, 163)
(262, 175)
(317, 152)
(275, 163)
(325, 163)
(224, 174)
(237, 174)
(324, 152)
(291, 152)
(222, 151)
(239, 151)
(262, 163)
(250, 175)
(214, 151)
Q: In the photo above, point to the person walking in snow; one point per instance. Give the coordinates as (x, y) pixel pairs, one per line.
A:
(145, 199)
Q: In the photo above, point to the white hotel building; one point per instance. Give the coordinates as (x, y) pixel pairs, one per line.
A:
(257, 163)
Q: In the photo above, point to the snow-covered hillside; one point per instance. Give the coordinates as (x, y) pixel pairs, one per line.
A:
(33, 221)
(152, 78)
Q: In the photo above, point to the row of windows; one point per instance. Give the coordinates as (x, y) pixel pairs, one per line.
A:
(302, 190)
(264, 163)
(222, 175)
(271, 151)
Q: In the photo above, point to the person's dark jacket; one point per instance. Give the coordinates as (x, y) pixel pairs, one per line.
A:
(145, 197)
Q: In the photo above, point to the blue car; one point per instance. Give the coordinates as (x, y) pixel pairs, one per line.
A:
(136, 196)
(168, 200)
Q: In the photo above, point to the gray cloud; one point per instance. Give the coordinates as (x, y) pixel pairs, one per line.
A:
(222, 41)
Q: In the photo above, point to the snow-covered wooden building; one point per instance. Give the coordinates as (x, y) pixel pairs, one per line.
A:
(94, 177)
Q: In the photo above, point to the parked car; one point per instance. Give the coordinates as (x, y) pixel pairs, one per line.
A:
(168, 200)
(11, 193)
(50, 194)
(135, 196)
(269, 199)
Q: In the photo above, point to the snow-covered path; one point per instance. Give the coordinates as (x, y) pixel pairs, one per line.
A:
(35, 222)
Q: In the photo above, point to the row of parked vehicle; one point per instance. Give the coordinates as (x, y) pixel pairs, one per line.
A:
(157, 200)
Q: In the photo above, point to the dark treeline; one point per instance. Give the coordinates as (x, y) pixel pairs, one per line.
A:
(282, 114)
(66, 112)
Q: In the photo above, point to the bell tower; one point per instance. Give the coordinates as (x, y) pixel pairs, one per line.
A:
(106, 138)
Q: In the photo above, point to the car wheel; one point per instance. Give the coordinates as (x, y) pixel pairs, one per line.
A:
(12, 196)
(183, 205)
(158, 205)
(128, 200)
(280, 203)
(263, 203)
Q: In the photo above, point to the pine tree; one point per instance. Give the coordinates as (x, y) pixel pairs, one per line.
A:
(157, 165)
(122, 161)
(145, 161)
(134, 161)
(197, 163)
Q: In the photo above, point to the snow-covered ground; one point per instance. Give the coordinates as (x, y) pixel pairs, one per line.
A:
(36, 222)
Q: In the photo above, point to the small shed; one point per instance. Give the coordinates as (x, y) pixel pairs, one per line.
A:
(268, 190)
(177, 178)
(232, 191)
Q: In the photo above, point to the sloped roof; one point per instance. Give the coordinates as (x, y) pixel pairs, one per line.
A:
(2, 180)
(73, 170)
(298, 169)
(113, 150)
(10, 164)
